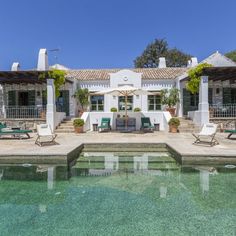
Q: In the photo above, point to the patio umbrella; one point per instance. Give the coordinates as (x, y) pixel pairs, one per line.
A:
(125, 90)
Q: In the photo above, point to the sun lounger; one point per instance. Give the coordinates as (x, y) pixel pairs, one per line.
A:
(208, 131)
(146, 124)
(45, 135)
(231, 132)
(105, 124)
(15, 133)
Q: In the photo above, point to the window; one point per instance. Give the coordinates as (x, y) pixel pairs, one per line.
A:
(122, 103)
(154, 102)
(194, 99)
(97, 103)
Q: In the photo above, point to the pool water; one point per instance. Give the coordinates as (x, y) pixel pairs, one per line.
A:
(118, 193)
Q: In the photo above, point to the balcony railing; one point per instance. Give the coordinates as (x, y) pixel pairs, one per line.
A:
(25, 112)
(221, 111)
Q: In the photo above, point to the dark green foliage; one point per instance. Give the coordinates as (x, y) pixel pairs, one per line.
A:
(137, 109)
(58, 76)
(170, 97)
(159, 48)
(78, 122)
(113, 109)
(174, 121)
(82, 95)
(195, 77)
(231, 55)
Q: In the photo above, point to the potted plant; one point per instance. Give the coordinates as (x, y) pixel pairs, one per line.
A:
(170, 98)
(137, 109)
(113, 109)
(78, 125)
(82, 95)
(174, 123)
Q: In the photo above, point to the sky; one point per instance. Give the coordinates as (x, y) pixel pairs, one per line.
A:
(111, 33)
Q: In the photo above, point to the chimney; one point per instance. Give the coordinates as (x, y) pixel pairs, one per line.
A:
(189, 63)
(194, 62)
(15, 66)
(43, 59)
(162, 62)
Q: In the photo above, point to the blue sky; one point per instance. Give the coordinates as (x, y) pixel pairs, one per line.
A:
(111, 33)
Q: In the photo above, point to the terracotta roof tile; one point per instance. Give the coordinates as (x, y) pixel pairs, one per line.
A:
(147, 73)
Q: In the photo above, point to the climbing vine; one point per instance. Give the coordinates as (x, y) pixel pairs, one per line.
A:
(195, 77)
(58, 76)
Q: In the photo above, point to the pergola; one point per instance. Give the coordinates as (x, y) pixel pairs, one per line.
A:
(220, 73)
(21, 77)
(33, 77)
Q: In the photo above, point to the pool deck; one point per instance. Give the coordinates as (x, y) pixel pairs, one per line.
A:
(25, 151)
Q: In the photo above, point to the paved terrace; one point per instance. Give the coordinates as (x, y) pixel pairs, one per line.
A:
(25, 151)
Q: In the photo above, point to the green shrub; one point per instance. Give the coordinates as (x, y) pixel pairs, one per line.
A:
(174, 121)
(113, 109)
(137, 109)
(78, 122)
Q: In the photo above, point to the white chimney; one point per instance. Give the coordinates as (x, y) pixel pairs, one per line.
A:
(43, 59)
(162, 62)
(15, 66)
(194, 62)
(189, 63)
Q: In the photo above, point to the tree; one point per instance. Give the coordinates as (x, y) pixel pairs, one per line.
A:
(82, 95)
(170, 97)
(195, 77)
(159, 48)
(231, 55)
(58, 76)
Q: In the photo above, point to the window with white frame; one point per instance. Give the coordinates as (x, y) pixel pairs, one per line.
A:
(154, 102)
(122, 103)
(97, 103)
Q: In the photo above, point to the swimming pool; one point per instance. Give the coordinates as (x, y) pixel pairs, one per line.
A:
(118, 193)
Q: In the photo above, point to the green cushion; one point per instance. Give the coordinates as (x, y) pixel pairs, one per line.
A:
(230, 131)
(15, 131)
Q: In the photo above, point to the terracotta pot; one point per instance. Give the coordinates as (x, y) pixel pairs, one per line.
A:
(43, 115)
(171, 110)
(173, 129)
(79, 129)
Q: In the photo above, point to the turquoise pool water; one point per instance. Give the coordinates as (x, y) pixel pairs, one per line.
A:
(118, 194)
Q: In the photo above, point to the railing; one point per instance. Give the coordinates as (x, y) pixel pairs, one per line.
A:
(221, 111)
(25, 112)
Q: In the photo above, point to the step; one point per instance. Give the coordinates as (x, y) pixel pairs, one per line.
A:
(66, 126)
(69, 128)
(64, 131)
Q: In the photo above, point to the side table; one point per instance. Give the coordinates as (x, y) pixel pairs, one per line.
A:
(95, 127)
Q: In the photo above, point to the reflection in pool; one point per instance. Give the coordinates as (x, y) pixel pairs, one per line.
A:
(121, 193)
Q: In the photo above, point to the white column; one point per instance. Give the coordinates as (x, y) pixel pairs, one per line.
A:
(202, 115)
(51, 104)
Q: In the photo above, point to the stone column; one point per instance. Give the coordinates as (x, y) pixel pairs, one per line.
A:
(51, 104)
(202, 115)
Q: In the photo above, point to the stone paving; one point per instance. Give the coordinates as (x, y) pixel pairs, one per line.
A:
(181, 142)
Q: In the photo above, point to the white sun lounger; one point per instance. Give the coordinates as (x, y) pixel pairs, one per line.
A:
(208, 131)
(45, 135)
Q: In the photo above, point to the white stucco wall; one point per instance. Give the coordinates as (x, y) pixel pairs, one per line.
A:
(125, 77)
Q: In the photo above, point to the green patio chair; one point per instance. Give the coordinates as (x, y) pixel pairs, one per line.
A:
(146, 124)
(15, 133)
(105, 124)
(231, 132)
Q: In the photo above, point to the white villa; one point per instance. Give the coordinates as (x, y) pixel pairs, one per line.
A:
(26, 99)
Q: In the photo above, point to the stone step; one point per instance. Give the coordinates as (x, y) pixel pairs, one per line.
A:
(65, 128)
(64, 131)
(65, 125)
